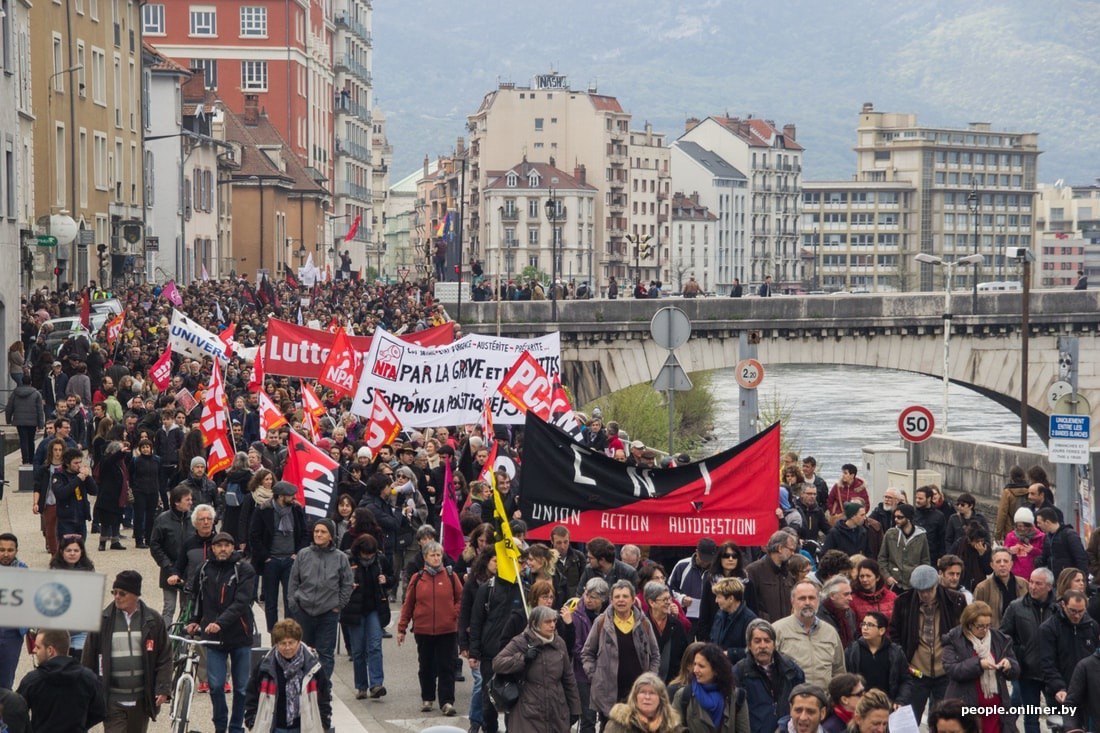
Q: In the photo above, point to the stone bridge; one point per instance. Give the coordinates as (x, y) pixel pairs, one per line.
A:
(606, 344)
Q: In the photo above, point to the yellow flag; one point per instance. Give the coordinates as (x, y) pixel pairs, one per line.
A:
(507, 552)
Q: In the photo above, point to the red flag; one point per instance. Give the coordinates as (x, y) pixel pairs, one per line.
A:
(486, 474)
(85, 310)
(333, 325)
(214, 425)
(226, 337)
(161, 372)
(114, 328)
(291, 281)
(311, 402)
(256, 382)
(453, 539)
(314, 473)
(353, 229)
(270, 416)
(341, 369)
(384, 426)
(528, 388)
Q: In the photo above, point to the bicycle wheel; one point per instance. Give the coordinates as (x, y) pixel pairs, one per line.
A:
(181, 705)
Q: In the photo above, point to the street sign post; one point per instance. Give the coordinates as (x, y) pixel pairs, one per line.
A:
(45, 240)
(749, 373)
(1069, 439)
(916, 424)
(672, 377)
(670, 328)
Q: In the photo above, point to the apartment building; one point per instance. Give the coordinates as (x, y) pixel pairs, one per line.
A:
(381, 157)
(1068, 233)
(693, 238)
(974, 190)
(771, 158)
(89, 115)
(18, 248)
(650, 181)
(354, 188)
(579, 127)
(542, 221)
(722, 191)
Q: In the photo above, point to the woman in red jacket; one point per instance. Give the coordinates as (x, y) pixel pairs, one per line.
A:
(869, 592)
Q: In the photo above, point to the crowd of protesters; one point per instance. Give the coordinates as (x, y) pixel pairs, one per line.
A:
(849, 611)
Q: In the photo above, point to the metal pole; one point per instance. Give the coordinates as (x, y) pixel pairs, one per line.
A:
(974, 214)
(817, 266)
(461, 216)
(671, 417)
(949, 273)
(748, 414)
(1065, 495)
(1025, 338)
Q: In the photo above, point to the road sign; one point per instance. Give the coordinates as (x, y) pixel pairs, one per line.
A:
(45, 240)
(403, 273)
(1069, 439)
(915, 423)
(152, 244)
(1056, 391)
(672, 377)
(53, 599)
(750, 373)
(670, 327)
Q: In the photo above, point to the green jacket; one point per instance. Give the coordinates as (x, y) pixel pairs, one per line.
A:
(899, 556)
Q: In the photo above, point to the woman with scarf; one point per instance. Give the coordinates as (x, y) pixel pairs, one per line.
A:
(114, 486)
(258, 492)
(367, 613)
(289, 689)
(869, 591)
(729, 562)
(979, 661)
(1025, 542)
(548, 699)
(845, 691)
(711, 702)
(647, 709)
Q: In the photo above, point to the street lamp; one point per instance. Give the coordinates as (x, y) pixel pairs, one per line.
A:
(555, 212)
(948, 283)
(973, 204)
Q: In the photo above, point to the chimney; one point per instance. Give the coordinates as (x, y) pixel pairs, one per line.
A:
(194, 89)
(251, 114)
(553, 163)
(868, 107)
(580, 174)
(788, 132)
(426, 165)
(460, 146)
(691, 124)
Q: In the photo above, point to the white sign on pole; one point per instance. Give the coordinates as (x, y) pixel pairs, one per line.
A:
(51, 599)
(1069, 439)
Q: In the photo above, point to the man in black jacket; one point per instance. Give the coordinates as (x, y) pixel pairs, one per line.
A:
(277, 533)
(1062, 548)
(1066, 638)
(111, 654)
(767, 677)
(495, 603)
(932, 521)
(602, 564)
(1082, 697)
(922, 615)
(171, 529)
(223, 591)
(1021, 622)
(61, 694)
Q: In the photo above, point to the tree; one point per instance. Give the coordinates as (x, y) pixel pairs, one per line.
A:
(533, 273)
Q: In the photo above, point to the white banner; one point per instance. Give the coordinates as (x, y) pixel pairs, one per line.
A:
(447, 385)
(190, 339)
(52, 599)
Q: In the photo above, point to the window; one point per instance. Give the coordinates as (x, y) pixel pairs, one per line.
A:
(533, 236)
(81, 80)
(99, 161)
(209, 68)
(93, 9)
(5, 36)
(59, 162)
(58, 65)
(532, 208)
(99, 76)
(152, 19)
(253, 21)
(204, 21)
(254, 76)
(82, 184)
(538, 124)
(118, 90)
(9, 177)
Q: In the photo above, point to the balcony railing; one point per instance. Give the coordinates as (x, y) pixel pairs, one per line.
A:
(345, 105)
(353, 190)
(348, 64)
(344, 20)
(512, 215)
(355, 150)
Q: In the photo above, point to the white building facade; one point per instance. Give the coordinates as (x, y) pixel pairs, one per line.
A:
(353, 188)
(692, 243)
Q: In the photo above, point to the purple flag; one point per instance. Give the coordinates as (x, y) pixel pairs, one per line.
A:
(172, 293)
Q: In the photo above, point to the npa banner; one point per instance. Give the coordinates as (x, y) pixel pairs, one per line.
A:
(297, 351)
(448, 385)
(732, 495)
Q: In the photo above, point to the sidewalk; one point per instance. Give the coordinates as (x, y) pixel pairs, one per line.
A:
(16, 517)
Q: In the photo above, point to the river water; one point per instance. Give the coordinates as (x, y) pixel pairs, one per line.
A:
(836, 410)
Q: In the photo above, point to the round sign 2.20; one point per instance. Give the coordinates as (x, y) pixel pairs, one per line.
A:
(750, 373)
(916, 424)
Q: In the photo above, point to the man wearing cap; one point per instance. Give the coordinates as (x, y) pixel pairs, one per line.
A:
(686, 578)
(849, 535)
(636, 449)
(202, 488)
(276, 535)
(809, 705)
(904, 547)
(320, 586)
(53, 390)
(223, 592)
(922, 615)
(130, 653)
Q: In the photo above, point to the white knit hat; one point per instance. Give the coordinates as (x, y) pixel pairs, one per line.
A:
(1023, 516)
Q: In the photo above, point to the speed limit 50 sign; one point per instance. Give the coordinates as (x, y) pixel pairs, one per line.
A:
(915, 423)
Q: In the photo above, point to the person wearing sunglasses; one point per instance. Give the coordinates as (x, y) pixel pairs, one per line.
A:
(881, 662)
(845, 691)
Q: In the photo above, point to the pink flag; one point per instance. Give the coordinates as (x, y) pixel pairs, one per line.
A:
(453, 541)
(172, 293)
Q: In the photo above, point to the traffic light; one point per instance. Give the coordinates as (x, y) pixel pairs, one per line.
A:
(57, 271)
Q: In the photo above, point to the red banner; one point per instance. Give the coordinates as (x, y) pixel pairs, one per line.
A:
(296, 351)
(256, 381)
(214, 425)
(311, 402)
(314, 473)
(114, 328)
(341, 369)
(270, 416)
(161, 371)
(527, 386)
(384, 426)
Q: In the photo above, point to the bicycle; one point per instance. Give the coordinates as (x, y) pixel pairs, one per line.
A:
(183, 690)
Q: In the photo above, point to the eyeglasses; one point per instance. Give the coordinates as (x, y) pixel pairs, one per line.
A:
(870, 625)
(119, 593)
(899, 517)
(663, 599)
(729, 556)
(856, 693)
(979, 627)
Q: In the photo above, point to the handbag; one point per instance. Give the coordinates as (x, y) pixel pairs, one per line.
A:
(504, 691)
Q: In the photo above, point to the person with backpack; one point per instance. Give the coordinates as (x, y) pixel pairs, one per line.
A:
(432, 603)
(320, 587)
(712, 702)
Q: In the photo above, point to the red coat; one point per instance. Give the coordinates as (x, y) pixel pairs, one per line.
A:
(840, 495)
(432, 603)
(881, 600)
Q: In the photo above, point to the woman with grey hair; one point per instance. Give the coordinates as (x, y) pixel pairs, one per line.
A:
(548, 699)
(672, 638)
(620, 647)
(588, 608)
(114, 482)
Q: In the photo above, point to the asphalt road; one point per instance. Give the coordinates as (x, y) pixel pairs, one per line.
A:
(399, 710)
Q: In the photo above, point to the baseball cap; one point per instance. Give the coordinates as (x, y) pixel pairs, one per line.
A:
(706, 549)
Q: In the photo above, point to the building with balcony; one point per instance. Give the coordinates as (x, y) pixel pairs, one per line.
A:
(279, 52)
(771, 158)
(650, 181)
(89, 113)
(722, 191)
(285, 200)
(23, 258)
(381, 157)
(578, 127)
(355, 188)
(523, 237)
(1068, 233)
(692, 240)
